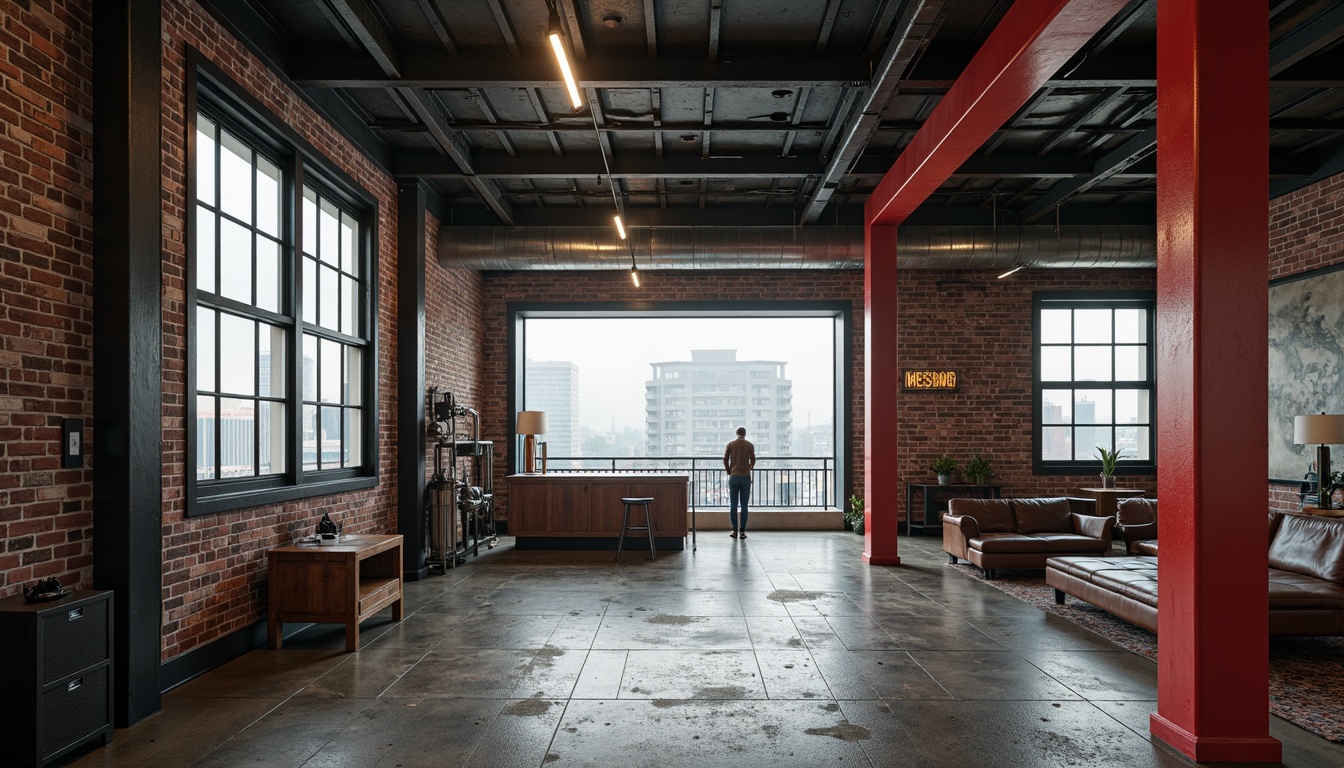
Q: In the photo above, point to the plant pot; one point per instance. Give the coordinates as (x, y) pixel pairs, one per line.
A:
(858, 527)
(944, 479)
(1108, 481)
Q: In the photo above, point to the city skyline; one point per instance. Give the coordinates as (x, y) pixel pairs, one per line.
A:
(614, 372)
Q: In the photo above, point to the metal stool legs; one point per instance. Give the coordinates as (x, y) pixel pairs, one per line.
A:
(643, 501)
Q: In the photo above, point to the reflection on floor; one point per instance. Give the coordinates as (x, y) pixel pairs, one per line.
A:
(780, 650)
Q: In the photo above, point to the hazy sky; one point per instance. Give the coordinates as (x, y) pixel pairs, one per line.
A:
(613, 356)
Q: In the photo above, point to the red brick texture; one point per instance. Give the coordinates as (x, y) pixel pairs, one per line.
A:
(214, 567)
(454, 327)
(1306, 232)
(46, 304)
(984, 332)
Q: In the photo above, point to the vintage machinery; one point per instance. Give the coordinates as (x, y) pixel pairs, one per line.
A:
(459, 499)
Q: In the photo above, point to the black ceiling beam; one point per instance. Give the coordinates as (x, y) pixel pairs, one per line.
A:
(368, 29)
(1108, 165)
(918, 21)
(1327, 164)
(936, 73)
(333, 69)
(364, 24)
(501, 165)
(1310, 37)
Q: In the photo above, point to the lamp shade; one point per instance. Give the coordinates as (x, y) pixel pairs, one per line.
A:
(534, 422)
(1319, 429)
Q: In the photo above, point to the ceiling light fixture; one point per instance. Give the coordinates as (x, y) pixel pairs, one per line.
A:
(620, 227)
(634, 270)
(1015, 268)
(557, 37)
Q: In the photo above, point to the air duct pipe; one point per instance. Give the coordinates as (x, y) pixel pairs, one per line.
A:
(689, 248)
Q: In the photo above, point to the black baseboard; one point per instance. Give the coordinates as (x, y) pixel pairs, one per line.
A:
(416, 575)
(632, 543)
(196, 662)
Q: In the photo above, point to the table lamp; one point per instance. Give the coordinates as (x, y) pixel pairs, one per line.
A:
(531, 424)
(1321, 430)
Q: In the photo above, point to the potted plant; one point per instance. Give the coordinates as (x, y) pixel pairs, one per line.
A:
(854, 515)
(978, 469)
(1108, 459)
(943, 467)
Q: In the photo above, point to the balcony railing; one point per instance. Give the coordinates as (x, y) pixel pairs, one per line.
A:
(795, 482)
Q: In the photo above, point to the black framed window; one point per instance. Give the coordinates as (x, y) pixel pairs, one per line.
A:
(1094, 382)
(281, 368)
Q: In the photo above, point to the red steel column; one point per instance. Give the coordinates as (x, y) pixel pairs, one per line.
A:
(1212, 352)
(881, 378)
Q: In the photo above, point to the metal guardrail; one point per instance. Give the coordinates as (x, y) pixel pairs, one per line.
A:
(795, 482)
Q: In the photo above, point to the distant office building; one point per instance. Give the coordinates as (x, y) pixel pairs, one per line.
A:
(553, 387)
(693, 407)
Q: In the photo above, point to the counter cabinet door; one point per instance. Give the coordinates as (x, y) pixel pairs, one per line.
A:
(568, 507)
(527, 508)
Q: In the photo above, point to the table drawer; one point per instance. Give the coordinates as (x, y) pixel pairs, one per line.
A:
(75, 710)
(74, 639)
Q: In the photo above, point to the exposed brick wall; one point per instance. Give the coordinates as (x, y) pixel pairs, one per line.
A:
(1306, 232)
(1306, 228)
(984, 332)
(214, 567)
(502, 288)
(46, 305)
(454, 328)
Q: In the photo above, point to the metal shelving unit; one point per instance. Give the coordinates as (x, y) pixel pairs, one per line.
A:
(460, 497)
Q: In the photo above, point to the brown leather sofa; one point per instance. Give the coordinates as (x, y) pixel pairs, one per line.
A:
(1136, 525)
(1306, 579)
(1022, 533)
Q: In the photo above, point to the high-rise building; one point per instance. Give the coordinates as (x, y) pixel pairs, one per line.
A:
(553, 387)
(692, 408)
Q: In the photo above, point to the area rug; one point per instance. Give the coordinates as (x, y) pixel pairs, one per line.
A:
(1306, 674)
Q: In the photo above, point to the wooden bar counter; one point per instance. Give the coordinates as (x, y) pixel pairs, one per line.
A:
(578, 510)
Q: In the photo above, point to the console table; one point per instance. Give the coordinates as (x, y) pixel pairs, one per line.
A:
(933, 517)
(342, 583)
(1107, 498)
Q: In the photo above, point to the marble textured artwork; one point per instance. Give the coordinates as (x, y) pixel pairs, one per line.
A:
(1306, 356)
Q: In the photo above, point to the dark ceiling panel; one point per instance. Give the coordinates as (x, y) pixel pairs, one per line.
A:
(751, 128)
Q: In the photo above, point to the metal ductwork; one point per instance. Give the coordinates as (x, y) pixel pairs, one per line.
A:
(689, 248)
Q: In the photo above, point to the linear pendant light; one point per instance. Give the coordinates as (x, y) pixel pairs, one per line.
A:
(557, 37)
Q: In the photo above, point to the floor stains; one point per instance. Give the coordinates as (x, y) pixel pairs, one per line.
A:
(793, 596)
(527, 708)
(672, 620)
(843, 731)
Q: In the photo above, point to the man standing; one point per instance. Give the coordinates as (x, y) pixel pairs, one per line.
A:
(738, 460)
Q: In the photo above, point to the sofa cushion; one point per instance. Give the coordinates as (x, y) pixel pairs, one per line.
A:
(1136, 511)
(1293, 591)
(993, 515)
(1008, 544)
(1072, 542)
(1309, 545)
(1146, 547)
(1042, 515)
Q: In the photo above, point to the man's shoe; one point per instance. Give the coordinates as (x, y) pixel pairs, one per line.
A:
(742, 534)
(734, 533)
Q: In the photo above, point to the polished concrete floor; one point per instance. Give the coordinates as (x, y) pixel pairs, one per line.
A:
(780, 650)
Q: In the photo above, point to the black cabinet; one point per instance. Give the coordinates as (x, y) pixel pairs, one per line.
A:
(55, 676)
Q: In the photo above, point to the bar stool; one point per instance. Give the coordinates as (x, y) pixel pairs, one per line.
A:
(633, 501)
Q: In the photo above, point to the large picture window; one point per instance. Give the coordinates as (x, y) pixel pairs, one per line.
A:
(280, 308)
(1094, 382)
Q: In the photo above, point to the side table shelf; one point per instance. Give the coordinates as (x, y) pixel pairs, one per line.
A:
(56, 679)
(933, 512)
(343, 583)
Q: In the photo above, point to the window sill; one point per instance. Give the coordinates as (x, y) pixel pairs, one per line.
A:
(208, 505)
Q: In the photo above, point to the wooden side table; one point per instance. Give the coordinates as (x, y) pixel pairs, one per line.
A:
(1332, 512)
(343, 583)
(1107, 498)
(933, 511)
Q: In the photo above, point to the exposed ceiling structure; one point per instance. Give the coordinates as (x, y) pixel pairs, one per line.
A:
(755, 112)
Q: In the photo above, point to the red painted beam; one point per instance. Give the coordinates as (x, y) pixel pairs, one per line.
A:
(881, 371)
(1034, 39)
(1212, 351)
